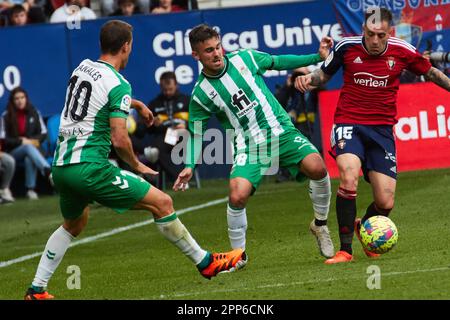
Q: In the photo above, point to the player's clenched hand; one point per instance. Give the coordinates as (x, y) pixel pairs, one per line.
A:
(144, 112)
(303, 83)
(324, 48)
(183, 179)
(143, 169)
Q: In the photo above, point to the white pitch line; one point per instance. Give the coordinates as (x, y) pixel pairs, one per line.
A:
(114, 231)
(298, 283)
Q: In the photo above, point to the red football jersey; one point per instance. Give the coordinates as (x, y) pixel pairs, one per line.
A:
(371, 82)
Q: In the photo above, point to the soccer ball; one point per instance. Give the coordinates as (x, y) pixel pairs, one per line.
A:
(379, 234)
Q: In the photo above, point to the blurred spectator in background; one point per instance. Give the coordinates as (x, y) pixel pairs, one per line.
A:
(20, 13)
(184, 4)
(126, 8)
(18, 16)
(166, 6)
(73, 9)
(170, 109)
(7, 168)
(23, 130)
(301, 107)
(109, 7)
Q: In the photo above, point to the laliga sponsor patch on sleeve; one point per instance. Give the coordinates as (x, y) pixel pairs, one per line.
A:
(329, 58)
(126, 103)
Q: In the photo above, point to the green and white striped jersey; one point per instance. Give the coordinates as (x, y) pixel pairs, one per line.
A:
(96, 92)
(241, 100)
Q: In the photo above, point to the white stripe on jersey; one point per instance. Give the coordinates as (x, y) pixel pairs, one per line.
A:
(253, 126)
(266, 108)
(401, 43)
(77, 148)
(62, 151)
(347, 41)
(200, 103)
(207, 88)
(253, 59)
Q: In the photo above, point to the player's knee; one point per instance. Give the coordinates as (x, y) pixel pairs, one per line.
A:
(349, 181)
(318, 172)
(238, 199)
(314, 167)
(165, 205)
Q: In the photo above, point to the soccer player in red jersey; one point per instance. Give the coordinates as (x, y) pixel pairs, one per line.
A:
(362, 135)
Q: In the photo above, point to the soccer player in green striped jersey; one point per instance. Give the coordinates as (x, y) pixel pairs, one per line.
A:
(232, 87)
(94, 116)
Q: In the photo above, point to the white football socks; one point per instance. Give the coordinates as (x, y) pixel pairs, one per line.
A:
(237, 227)
(320, 194)
(174, 231)
(54, 251)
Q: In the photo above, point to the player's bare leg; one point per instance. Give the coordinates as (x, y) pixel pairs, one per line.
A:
(167, 222)
(240, 191)
(314, 168)
(349, 166)
(54, 251)
(383, 189)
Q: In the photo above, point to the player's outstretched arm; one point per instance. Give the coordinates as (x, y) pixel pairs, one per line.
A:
(438, 77)
(311, 81)
(122, 144)
(143, 111)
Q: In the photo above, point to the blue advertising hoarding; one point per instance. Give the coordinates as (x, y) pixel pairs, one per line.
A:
(44, 55)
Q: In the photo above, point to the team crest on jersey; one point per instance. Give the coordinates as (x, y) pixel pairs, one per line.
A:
(341, 144)
(390, 62)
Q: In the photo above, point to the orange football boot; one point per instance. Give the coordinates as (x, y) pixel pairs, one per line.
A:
(221, 262)
(34, 295)
(340, 256)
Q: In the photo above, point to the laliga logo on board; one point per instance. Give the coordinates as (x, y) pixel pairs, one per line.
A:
(370, 80)
(415, 128)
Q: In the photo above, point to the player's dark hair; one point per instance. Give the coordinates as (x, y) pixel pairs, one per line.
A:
(168, 75)
(377, 14)
(202, 33)
(113, 35)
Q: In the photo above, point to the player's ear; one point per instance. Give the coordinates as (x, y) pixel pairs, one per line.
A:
(195, 55)
(127, 47)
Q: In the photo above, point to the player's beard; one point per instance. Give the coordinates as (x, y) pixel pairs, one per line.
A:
(124, 63)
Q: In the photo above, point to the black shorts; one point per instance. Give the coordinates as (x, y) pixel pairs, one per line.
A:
(373, 144)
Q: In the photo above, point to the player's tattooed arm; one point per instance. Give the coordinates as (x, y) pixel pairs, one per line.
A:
(438, 77)
(311, 81)
(318, 78)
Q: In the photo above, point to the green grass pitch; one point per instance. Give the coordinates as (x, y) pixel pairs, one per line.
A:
(284, 262)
